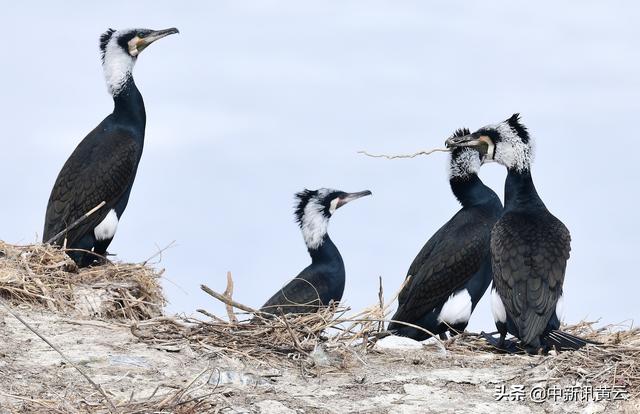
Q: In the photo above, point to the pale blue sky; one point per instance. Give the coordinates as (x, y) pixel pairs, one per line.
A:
(255, 100)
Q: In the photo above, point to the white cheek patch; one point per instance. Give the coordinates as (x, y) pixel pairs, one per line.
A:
(457, 308)
(560, 308)
(465, 163)
(497, 307)
(107, 228)
(133, 46)
(491, 151)
(511, 151)
(117, 65)
(334, 205)
(314, 224)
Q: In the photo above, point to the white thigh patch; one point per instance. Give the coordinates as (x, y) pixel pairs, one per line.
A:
(107, 228)
(560, 308)
(457, 308)
(497, 307)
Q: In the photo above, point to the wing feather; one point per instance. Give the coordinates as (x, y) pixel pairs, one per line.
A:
(445, 264)
(529, 256)
(100, 169)
(303, 294)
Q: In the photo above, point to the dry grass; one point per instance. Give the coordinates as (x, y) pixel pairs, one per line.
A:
(614, 362)
(331, 339)
(43, 275)
(310, 341)
(271, 339)
(284, 339)
(195, 397)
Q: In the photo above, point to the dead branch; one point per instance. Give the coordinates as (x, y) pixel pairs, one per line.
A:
(228, 292)
(224, 299)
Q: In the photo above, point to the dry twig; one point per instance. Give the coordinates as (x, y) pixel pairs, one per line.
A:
(98, 388)
(76, 223)
(393, 157)
(228, 292)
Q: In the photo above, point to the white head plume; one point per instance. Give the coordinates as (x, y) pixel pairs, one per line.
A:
(117, 63)
(464, 162)
(313, 216)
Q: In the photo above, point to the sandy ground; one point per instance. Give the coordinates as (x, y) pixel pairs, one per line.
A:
(390, 380)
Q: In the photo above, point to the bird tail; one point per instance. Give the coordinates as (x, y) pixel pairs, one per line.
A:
(399, 329)
(565, 341)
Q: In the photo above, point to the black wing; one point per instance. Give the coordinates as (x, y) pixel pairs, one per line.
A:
(530, 254)
(101, 168)
(448, 260)
(303, 294)
(422, 258)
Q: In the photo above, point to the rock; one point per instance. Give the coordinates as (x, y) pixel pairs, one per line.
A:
(231, 377)
(400, 343)
(135, 361)
(273, 407)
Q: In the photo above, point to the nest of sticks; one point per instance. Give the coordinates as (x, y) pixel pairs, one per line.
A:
(614, 362)
(325, 337)
(42, 275)
(335, 337)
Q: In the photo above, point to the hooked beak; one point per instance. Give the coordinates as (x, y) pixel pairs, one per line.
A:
(481, 143)
(138, 44)
(352, 196)
(470, 140)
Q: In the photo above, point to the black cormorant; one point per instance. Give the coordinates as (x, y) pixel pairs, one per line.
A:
(453, 270)
(529, 245)
(104, 164)
(323, 280)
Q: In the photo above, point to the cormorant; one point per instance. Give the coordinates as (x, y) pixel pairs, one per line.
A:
(103, 166)
(529, 245)
(323, 280)
(453, 270)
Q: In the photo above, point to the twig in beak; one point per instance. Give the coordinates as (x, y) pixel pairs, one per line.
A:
(392, 157)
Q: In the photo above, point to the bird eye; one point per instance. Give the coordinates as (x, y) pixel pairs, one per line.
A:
(140, 35)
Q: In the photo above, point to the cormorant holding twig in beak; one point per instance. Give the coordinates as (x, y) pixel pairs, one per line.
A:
(529, 245)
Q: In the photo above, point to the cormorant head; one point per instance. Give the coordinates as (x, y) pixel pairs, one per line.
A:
(119, 50)
(314, 208)
(507, 143)
(465, 161)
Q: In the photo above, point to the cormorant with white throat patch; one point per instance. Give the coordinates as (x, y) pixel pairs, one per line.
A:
(529, 245)
(453, 270)
(103, 166)
(323, 280)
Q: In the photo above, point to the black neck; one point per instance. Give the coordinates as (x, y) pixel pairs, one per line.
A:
(326, 253)
(520, 192)
(470, 190)
(129, 106)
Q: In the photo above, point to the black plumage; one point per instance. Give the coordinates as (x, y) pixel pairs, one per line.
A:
(529, 246)
(322, 282)
(103, 166)
(455, 261)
